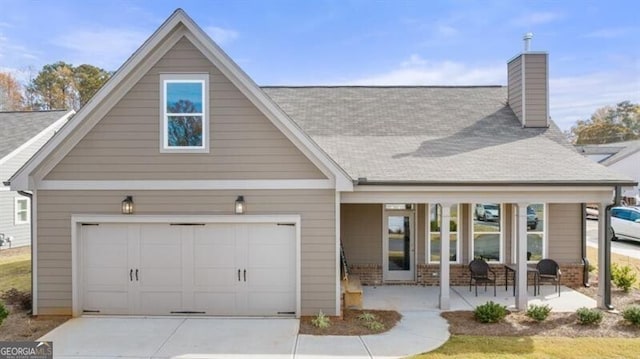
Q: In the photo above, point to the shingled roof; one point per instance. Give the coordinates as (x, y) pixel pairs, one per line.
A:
(435, 135)
(17, 128)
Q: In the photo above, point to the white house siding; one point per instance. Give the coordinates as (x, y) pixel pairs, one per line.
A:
(21, 233)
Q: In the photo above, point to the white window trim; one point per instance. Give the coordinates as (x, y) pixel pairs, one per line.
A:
(428, 232)
(16, 209)
(192, 78)
(545, 233)
(472, 207)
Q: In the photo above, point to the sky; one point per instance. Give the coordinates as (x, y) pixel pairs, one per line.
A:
(593, 46)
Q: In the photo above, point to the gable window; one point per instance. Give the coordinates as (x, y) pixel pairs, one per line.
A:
(487, 231)
(21, 213)
(435, 221)
(184, 111)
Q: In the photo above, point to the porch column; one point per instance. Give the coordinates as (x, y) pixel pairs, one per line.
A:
(521, 258)
(444, 256)
(602, 238)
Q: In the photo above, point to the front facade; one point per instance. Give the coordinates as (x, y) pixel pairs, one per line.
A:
(183, 188)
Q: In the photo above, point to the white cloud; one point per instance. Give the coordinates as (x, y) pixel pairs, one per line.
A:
(106, 48)
(220, 35)
(418, 71)
(535, 18)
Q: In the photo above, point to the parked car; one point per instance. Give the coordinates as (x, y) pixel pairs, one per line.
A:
(489, 212)
(532, 218)
(625, 222)
(592, 212)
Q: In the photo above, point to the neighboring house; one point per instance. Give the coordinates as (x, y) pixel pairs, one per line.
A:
(622, 157)
(138, 198)
(21, 135)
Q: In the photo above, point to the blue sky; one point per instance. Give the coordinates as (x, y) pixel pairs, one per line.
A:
(594, 46)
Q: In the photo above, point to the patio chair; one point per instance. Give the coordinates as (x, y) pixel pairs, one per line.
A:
(481, 273)
(549, 270)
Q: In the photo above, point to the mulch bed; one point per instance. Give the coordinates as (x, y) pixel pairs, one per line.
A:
(19, 325)
(349, 324)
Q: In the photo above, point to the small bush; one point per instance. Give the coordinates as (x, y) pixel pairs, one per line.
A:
(490, 312)
(4, 313)
(592, 268)
(321, 321)
(632, 314)
(588, 316)
(18, 298)
(623, 277)
(374, 325)
(367, 317)
(538, 312)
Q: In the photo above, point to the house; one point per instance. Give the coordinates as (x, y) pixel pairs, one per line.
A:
(21, 135)
(182, 187)
(623, 157)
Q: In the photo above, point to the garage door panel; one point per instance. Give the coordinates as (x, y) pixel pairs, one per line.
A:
(227, 277)
(162, 277)
(271, 303)
(216, 303)
(214, 256)
(107, 301)
(106, 277)
(160, 302)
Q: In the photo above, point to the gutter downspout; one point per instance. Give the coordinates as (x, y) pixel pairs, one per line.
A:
(31, 224)
(585, 261)
(607, 248)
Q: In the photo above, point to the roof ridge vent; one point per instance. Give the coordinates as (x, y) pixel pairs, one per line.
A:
(527, 41)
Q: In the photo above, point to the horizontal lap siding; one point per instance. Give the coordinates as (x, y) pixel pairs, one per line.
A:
(21, 233)
(515, 86)
(361, 233)
(244, 144)
(536, 79)
(565, 232)
(317, 208)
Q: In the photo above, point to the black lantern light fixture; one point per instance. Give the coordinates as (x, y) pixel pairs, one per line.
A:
(127, 205)
(240, 205)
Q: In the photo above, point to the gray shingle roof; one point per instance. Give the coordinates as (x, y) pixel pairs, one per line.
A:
(434, 135)
(17, 128)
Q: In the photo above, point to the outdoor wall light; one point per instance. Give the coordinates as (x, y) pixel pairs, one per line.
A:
(127, 205)
(240, 205)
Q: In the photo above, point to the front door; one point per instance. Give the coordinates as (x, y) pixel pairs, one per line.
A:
(398, 246)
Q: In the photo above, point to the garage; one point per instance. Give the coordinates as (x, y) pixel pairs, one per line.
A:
(187, 268)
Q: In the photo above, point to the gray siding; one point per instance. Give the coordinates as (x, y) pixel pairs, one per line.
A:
(536, 79)
(124, 145)
(565, 228)
(361, 233)
(21, 233)
(317, 208)
(514, 71)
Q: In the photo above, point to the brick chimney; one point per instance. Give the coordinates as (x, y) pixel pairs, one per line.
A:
(528, 86)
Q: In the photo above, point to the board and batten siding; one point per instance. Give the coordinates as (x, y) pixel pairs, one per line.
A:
(565, 232)
(125, 144)
(316, 208)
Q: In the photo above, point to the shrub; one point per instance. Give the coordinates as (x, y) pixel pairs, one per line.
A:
(592, 268)
(623, 277)
(18, 298)
(367, 317)
(588, 316)
(632, 314)
(374, 325)
(321, 321)
(490, 312)
(4, 313)
(538, 312)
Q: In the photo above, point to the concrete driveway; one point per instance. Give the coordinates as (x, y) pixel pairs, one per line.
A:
(198, 338)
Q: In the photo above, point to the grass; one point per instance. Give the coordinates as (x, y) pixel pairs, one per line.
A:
(462, 346)
(592, 255)
(16, 271)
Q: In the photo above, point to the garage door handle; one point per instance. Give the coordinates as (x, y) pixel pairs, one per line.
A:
(136, 275)
(245, 275)
(238, 275)
(131, 275)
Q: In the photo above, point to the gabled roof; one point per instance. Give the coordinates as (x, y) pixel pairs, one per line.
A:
(18, 127)
(178, 25)
(435, 135)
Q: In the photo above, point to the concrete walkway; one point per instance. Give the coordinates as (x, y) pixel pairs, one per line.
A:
(197, 338)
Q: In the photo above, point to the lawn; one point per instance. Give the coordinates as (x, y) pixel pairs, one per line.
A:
(15, 266)
(462, 346)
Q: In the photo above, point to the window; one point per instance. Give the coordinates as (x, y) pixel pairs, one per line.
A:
(536, 240)
(21, 211)
(435, 221)
(487, 231)
(184, 112)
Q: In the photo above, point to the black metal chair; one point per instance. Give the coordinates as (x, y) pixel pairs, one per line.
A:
(549, 270)
(481, 273)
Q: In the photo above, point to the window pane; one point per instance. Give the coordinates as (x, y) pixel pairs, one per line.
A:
(435, 247)
(22, 205)
(184, 97)
(487, 246)
(535, 218)
(22, 216)
(534, 246)
(486, 217)
(184, 131)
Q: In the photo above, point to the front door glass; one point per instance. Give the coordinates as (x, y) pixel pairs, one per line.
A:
(399, 251)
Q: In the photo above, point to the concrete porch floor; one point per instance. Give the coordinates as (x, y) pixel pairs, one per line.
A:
(411, 298)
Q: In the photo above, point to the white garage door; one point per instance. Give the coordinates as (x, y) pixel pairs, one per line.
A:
(205, 269)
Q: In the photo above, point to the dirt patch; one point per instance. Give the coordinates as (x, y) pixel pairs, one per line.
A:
(350, 324)
(19, 325)
(7, 254)
(556, 325)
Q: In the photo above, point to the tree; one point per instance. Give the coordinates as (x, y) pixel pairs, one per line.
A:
(10, 93)
(608, 124)
(89, 79)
